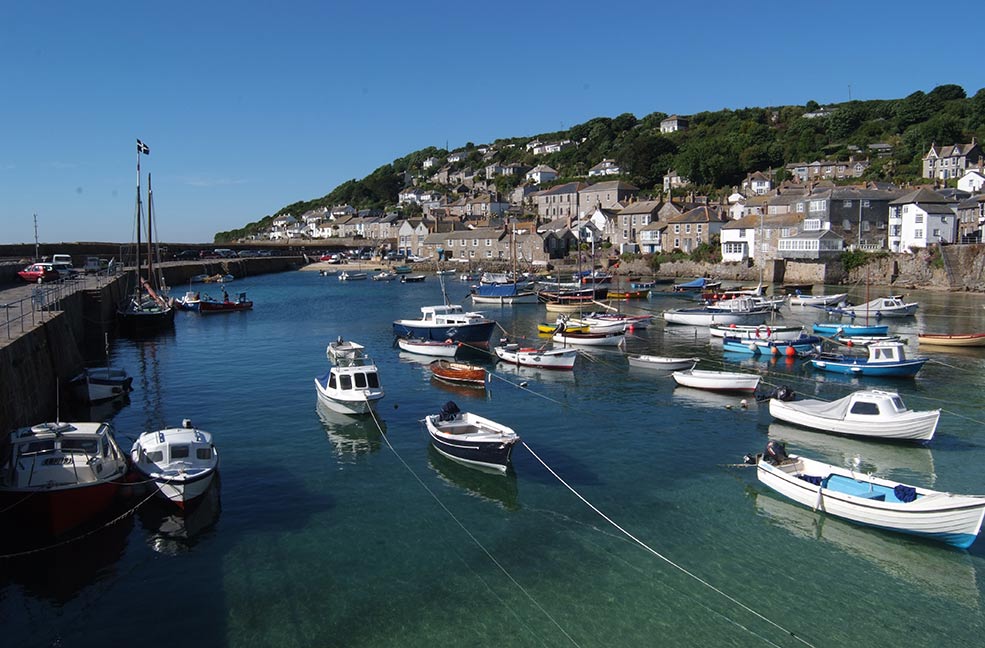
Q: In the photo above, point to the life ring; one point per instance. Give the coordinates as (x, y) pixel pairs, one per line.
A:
(762, 328)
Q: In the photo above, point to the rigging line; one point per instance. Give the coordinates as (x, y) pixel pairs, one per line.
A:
(950, 366)
(67, 541)
(469, 533)
(662, 557)
(524, 388)
(967, 418)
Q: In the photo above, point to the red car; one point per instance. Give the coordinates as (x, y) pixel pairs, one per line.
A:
(39, 272)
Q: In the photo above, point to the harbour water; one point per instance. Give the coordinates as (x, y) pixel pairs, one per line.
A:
(329, 533)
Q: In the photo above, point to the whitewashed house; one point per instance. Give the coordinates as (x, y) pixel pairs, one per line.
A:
(604, 168)
(921, 218)
(972, 181)
(541, 173)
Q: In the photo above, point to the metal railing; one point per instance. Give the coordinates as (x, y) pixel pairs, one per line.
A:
(21, 314)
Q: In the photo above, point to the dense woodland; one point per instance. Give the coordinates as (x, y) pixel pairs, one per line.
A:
(716, 152)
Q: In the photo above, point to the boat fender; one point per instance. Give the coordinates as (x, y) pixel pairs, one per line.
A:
(775, 452)
(449, 341)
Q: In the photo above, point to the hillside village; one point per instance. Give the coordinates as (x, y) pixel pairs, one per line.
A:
(808, 217)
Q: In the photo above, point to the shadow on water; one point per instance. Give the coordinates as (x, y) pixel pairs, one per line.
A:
(350, 436)
(171, 531)
(487, 484)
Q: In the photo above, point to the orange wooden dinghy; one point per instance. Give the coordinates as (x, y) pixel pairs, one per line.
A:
(461, 373)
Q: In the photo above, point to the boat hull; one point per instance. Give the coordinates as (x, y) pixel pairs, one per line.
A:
(717, 380)
(59, 510)
(494, 453)
(953, 519)
(590, 339)
(760, 332)
(459, 373)
(559, 359)
(662, 363)
(707, 317)
(862, 367)
(354, 402)
(967, 340)
(428, 347)
(477, 334)
(914, 426)
(850, 330)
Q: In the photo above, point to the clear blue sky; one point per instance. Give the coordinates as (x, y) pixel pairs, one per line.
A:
(250, 106)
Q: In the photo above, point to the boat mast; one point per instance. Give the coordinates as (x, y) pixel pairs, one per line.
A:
(150, 235)
(136, 288)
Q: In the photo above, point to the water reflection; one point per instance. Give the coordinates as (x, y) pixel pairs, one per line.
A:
(464, 391)
(172, 531)
(485, 483)
(901, 461)
(721, 400)
(350, 436)
(515, 373)
(936, 571)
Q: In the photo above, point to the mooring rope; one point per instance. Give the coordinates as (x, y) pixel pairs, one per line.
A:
(471, 535)
(666, 559)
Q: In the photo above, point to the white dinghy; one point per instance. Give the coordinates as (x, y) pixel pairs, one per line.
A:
(182, 462)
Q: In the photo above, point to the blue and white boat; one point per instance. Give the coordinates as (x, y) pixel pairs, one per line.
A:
(864, 499)
(447, 322)
(799, 346)
(884, 359)
(471, 439)
(850, 330)
(504, 294)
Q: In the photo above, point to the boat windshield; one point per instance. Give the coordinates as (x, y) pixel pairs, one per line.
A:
(867, 408)
(88, 446)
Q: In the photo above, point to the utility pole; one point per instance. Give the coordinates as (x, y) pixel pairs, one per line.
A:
(36, 248)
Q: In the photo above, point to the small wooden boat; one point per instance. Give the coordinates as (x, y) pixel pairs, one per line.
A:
(407, 278)
(590, 339)
(872, 501)
(817, 300)
(563, 359)
(56, 476)
(547, 327)
(471, 439)
(708, 316)
(884, 359)
(181, 462)
(385, 276)
(639, 293)
(443, 349)
(871, 413)
(955, 340)
(218, 278)
(209, 306)
(352, 276)
(663, 363)
(403, 269)
(717, 380)
(462, 373)
(101, 383)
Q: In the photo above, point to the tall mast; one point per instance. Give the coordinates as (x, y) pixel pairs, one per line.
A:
(139, 215)
(150, 234)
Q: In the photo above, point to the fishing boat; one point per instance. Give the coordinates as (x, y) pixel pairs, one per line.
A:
(148, 308)
(636, 293)
(884, 359)
(447, 322)
(218, 278)
(97, 384)
(352, 387)
(443, 349)
(408, 278)
(866, 340)
(717, 380)
(385, 276)
(505, 290)
(470, 438)
(345, 275)
(870, 413)
(799, 346)
(757, 332)
(614, 338)
(699, 285)
(56, 476)
(189, 302)
(817, 300)
(865, 499)
(892, 306)
(850, 330)
(955, 340)
(461, 373)
(344, 352)
(210, 307)
(180, 462)
(663, 363)
(403, 269)
(563, 359)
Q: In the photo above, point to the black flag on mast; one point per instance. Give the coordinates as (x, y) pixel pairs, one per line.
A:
(142, 148)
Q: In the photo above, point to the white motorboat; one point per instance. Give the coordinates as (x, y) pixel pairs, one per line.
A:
(717, 380)
(341, 352)
(98, 384)
(758, 332)
(530, 357)
(868, 413)
(817, 300)
(352, 387)
(471, 439)
(892, 306)
(440, 349)
(872, 501)
(181, 462)
(708, 316)
(662, 362)
(56, 476)
(385, 276)
(352, 276)
(590, 339)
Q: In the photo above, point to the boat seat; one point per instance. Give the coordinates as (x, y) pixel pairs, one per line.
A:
(848, 486)
(456, 428)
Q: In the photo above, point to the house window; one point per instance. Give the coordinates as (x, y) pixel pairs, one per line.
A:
(918, 233)
(697, 228)
(846, 204)
(677, 243)
(846, 224)
(488, 254)
(811, 224)
(625, 234)
(817, 205)
(936, 233)
(488, 242)
(918, 218)
(742, 233)
(687, 228)
(472, 253)
(475, 242)
(677, 229)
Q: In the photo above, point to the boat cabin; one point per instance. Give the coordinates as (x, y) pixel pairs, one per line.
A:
(180, 446)
(348, 378)
(874, 403)
(886, 352)
(57, 454)
(448, 314)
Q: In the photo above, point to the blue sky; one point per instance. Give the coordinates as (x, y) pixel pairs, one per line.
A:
(248, 107)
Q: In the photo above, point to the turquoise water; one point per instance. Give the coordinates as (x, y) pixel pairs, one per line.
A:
(327, 537)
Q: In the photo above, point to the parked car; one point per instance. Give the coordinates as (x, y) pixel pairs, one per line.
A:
(207, 254)
(94, 265)
(224, 253)
(264, 253)
(413, 258)
(39, 272)
(187, 255)
(394, 256)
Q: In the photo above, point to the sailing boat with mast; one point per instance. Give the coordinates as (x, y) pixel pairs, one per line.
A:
(147, 308)
(509, 292)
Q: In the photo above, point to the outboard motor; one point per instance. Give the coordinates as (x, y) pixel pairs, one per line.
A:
(781, 393)
(775, 452)
(449, 411)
